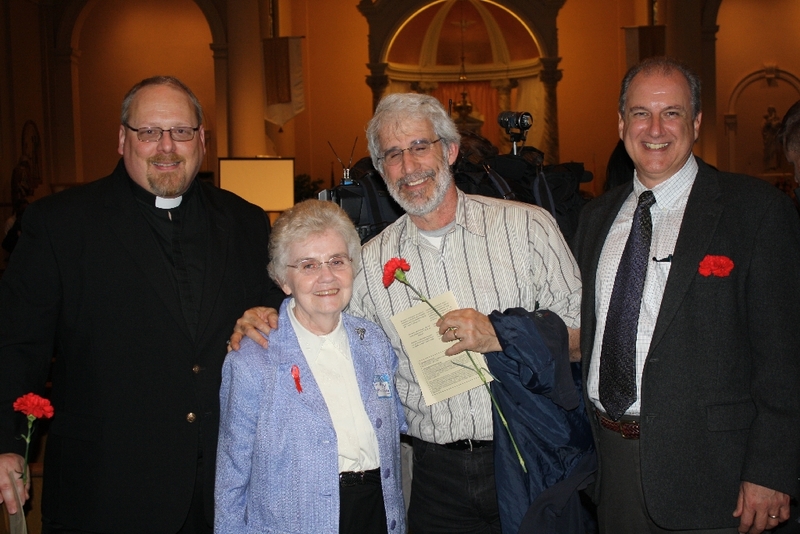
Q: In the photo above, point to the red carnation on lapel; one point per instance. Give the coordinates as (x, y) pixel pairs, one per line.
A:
(716, 266)
(390, 270)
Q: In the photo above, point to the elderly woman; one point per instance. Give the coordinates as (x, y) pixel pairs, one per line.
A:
(310, 427)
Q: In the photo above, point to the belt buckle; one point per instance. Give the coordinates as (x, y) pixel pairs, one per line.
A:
(351, 478)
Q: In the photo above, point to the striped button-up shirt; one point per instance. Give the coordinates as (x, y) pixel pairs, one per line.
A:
(498, 255)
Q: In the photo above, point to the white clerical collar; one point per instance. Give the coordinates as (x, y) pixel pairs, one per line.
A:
(168, 203)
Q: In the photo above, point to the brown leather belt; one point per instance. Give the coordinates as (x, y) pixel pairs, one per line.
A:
(627, 429)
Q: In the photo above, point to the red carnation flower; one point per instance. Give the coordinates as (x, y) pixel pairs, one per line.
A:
(391, 268)
(33, 404)
(34, 407)
(716, 266)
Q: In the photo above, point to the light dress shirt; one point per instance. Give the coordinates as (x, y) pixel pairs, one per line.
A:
(498, 255)
(331, 363)
(667, 215)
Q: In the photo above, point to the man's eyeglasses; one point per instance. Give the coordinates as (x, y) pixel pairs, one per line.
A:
(418, 149)
(312, 266)
(153, 134)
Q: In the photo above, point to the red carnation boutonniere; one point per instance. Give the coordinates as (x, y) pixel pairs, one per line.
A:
(716, 266)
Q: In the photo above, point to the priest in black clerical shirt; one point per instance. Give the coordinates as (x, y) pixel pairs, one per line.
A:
(133, 283)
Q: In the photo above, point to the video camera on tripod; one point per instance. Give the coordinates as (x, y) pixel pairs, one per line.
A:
(515, 120)
(522, 174)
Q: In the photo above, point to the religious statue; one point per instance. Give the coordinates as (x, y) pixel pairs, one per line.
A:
(769, 134)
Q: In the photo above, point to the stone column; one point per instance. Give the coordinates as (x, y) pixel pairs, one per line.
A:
(246, 134)
(66, 109)
(221, 141)
(708, 132)
(378, 81)
(550, 77)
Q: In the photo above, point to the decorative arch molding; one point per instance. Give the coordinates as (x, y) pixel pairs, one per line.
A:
(769, 73)
(64, 98)
(385, 18)
(710, 12)
(428, 71)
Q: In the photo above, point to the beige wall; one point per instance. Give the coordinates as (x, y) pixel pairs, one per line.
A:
(338, 101)
(119, 46)
(591, 43)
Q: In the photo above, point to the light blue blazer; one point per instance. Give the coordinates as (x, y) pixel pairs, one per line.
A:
(277, 460)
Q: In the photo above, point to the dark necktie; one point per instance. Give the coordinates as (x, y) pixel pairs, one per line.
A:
(618, 353)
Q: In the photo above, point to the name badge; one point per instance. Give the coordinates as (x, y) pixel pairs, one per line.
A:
(382, 386)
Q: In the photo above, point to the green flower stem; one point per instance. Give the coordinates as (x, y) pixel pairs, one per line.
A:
(27, 439)
(400, 275)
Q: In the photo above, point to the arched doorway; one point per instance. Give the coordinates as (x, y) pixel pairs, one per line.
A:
(510, 53)
(102, 48)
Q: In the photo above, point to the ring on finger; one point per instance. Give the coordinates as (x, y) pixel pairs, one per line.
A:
(454, 329)
(773, 516)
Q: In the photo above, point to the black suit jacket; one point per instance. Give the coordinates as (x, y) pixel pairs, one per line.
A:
(88, 283)
(721, 383)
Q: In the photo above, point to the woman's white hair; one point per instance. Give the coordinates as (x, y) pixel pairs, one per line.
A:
(304, 220)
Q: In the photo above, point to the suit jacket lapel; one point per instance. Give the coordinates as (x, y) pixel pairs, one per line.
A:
(135, 235)
(700, 220)
(363, 363)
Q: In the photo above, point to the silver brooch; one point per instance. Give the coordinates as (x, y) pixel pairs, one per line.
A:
(361, 332)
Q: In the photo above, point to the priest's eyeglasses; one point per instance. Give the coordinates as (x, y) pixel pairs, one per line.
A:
(311, 266)
(153, 134)
(417, 150)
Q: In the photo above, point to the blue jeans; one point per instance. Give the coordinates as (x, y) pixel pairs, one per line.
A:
(452, 491)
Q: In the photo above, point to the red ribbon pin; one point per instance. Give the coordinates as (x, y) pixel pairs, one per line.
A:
(296, 376)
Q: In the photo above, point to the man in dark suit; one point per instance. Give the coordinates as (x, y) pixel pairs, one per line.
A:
(134, 283)
(692, 376)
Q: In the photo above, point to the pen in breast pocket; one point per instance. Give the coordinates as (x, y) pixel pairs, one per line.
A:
(668, 259)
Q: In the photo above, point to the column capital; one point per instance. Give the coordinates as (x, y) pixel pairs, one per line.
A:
(219, 51)
(550, 74)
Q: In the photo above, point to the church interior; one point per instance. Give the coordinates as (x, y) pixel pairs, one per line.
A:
(299, 79)
(66, 66)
